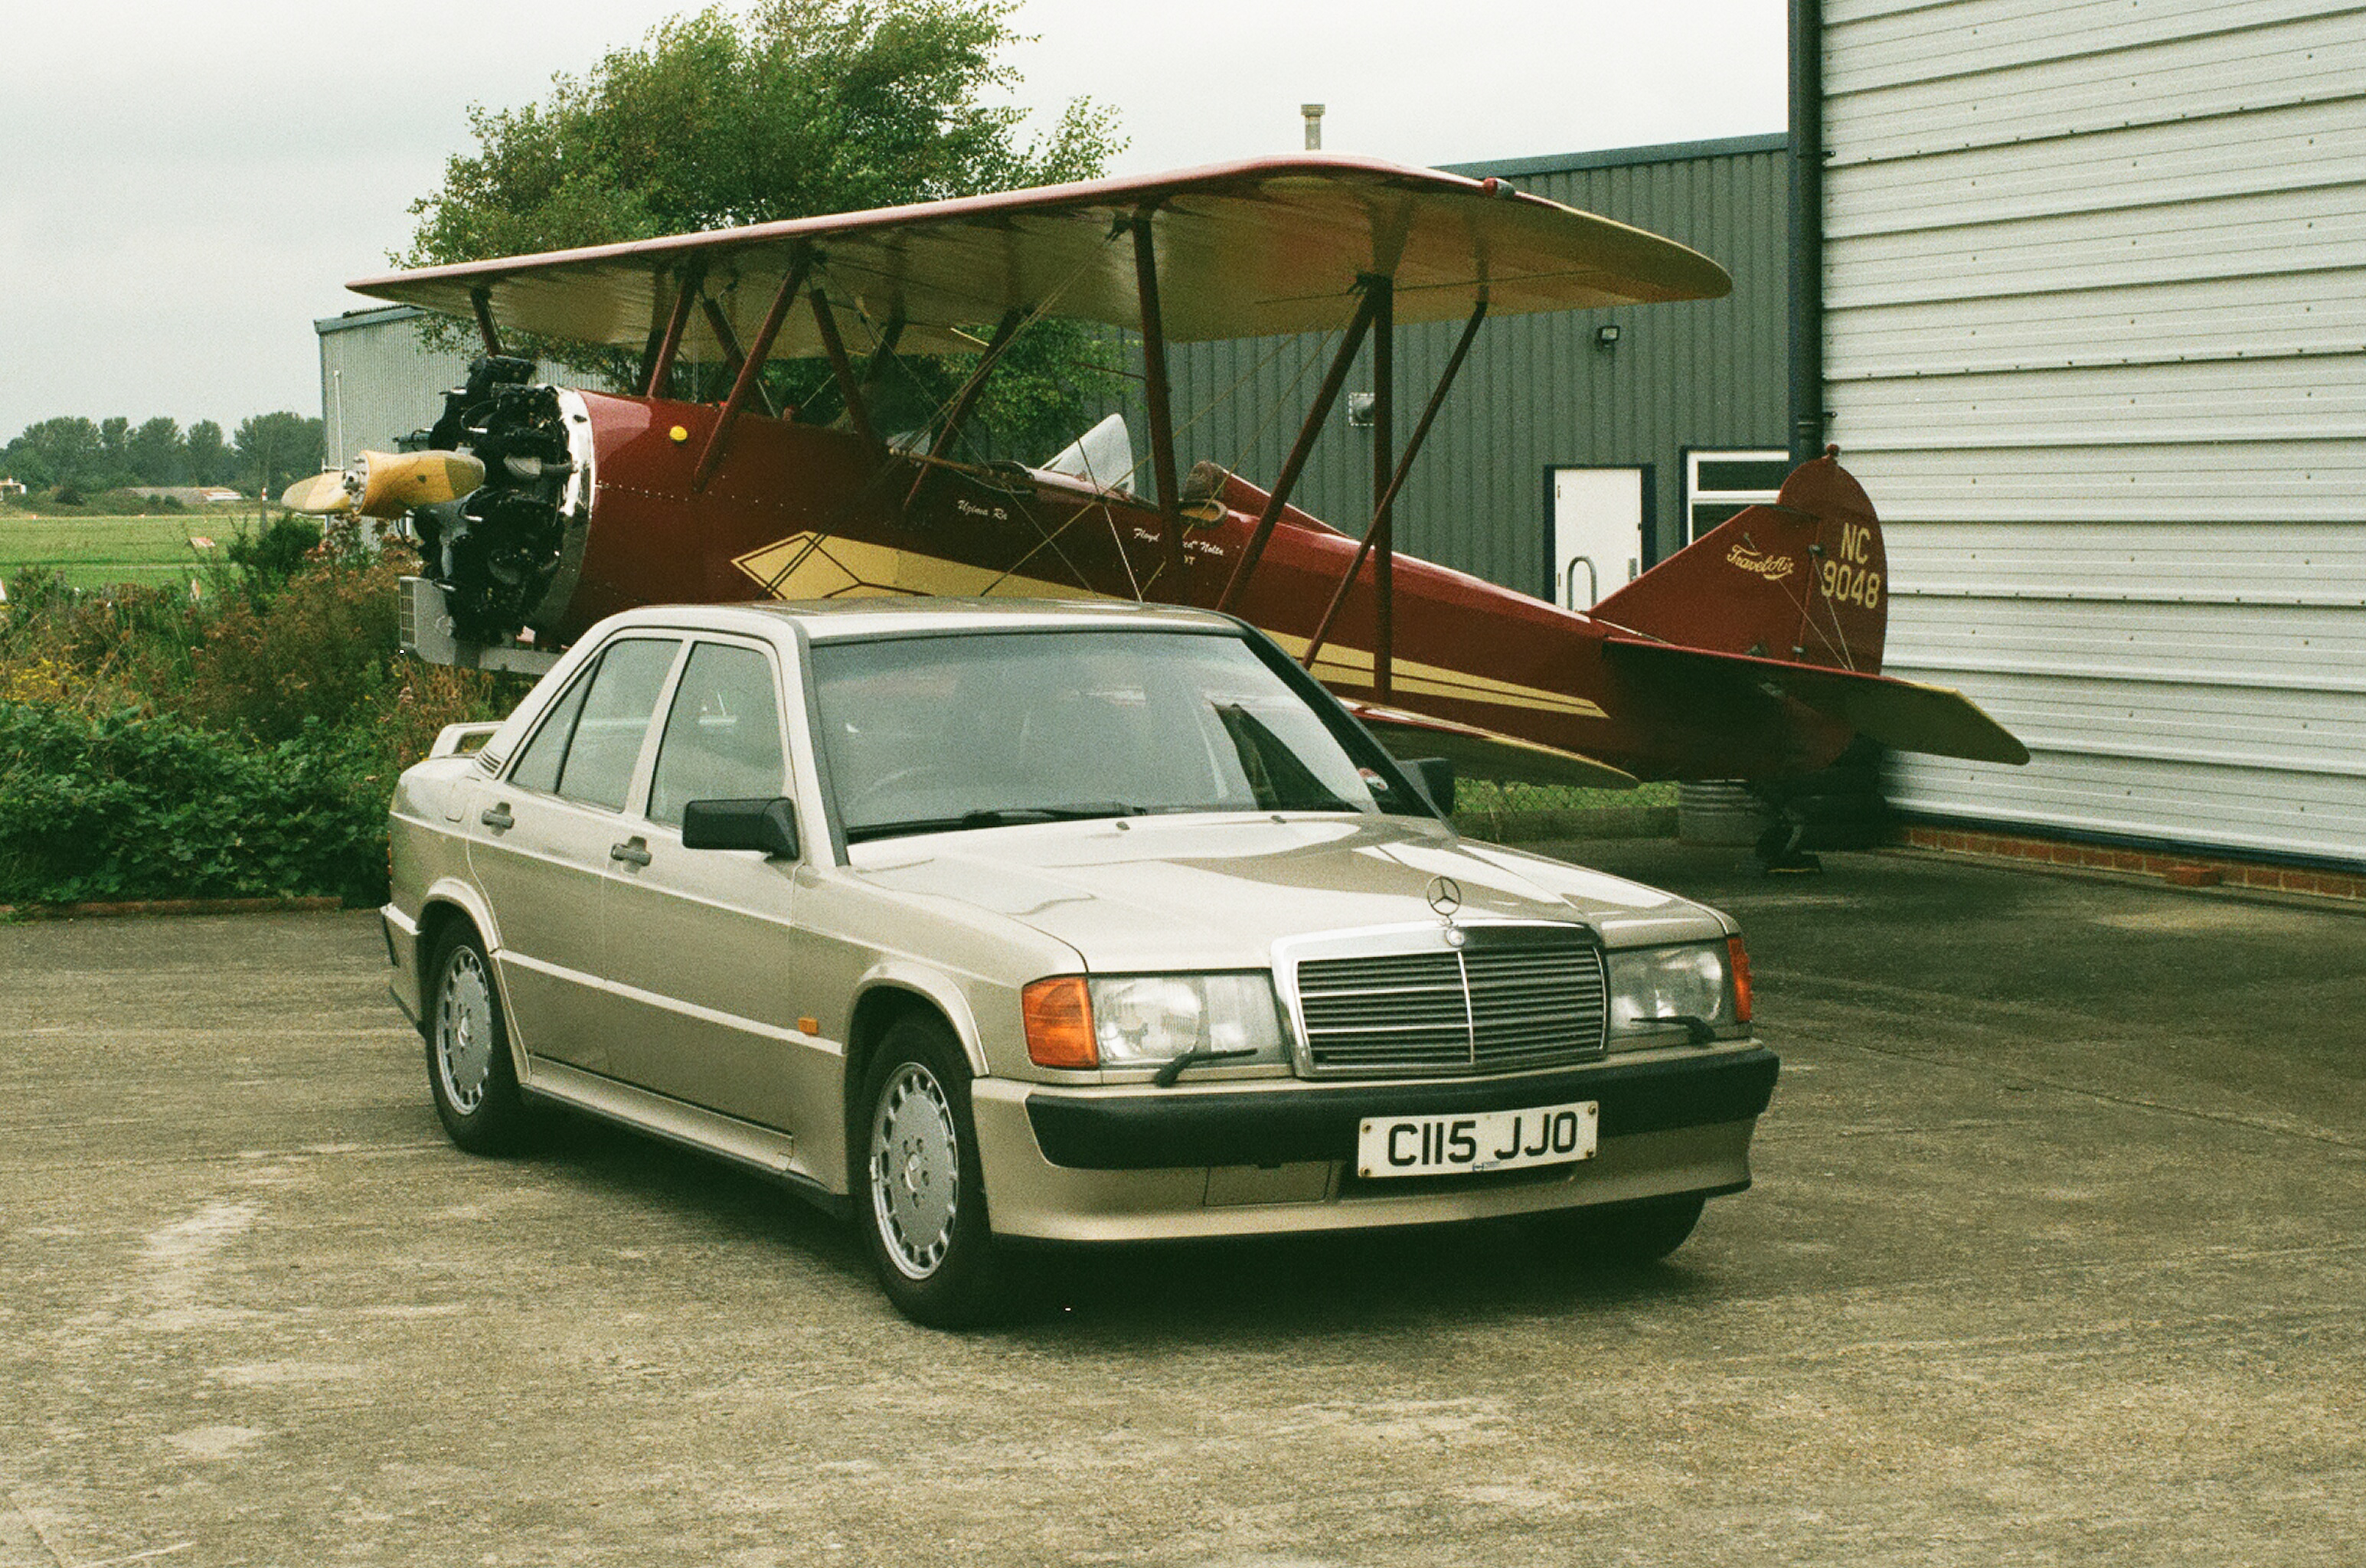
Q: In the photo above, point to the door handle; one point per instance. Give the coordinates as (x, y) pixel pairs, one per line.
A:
(1568, 581)
(498, 818)
(632, 852)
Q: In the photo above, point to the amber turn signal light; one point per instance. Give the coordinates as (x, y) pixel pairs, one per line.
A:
(1740, 979)
(1059, 1014)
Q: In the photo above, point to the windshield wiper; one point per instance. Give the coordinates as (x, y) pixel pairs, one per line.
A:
(994, 817)
(1081, 811)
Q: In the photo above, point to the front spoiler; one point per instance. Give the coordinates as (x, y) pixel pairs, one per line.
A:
(1266, 1127)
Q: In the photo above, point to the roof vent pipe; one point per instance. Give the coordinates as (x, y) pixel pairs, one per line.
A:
(1314, 113)
(1806, 238)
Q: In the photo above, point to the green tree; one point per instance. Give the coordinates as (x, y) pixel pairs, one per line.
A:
(274, 448)
(209, 457)
(67, 450)
(156, 454)
(798, 108)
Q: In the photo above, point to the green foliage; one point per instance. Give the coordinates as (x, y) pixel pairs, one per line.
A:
(119, 805)
(274, 448)
(270, 558)
(63, 452)
(797, 107)
(244, 744)
(209, 457)
(77, 459)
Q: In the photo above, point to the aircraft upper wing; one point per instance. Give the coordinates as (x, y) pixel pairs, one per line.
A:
(1243, 249)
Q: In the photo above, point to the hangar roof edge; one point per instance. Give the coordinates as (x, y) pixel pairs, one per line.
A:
(1618, 157)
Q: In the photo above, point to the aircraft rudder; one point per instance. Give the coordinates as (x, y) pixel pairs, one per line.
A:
(1804, 580)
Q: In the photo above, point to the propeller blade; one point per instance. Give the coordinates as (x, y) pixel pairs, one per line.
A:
(394, 482)
(318, 494)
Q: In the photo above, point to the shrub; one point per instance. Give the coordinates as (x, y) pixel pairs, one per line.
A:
(317, 649)
(270, 556)
(246, 745)
(124, 806)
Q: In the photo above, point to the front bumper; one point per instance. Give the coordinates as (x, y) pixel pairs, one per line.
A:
(1225, 1160)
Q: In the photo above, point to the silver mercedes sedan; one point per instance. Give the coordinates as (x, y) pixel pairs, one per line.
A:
(994, 922)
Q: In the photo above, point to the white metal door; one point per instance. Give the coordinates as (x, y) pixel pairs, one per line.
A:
(1597, 532)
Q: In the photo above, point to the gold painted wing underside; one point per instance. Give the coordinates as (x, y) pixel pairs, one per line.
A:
(1269, 245)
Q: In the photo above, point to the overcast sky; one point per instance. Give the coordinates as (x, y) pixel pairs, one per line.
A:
(184, 186)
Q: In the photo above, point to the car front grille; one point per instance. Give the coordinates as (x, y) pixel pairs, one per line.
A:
(1509, 999)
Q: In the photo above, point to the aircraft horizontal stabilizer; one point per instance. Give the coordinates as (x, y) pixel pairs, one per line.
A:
(1903, 715)
(1484, 753)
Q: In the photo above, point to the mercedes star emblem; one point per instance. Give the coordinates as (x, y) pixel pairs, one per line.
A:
(1444, 896)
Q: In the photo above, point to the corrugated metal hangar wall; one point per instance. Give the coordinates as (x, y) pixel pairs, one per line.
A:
(1537, 391)
(379, 382)
(2095, 340)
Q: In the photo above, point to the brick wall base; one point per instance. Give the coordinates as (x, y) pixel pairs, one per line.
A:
(2178, 869)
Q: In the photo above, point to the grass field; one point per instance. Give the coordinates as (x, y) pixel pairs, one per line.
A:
(94, 552)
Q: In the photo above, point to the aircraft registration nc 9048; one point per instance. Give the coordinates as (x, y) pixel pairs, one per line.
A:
(1755, 653)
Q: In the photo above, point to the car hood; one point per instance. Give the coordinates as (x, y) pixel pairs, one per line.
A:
(1194, 891)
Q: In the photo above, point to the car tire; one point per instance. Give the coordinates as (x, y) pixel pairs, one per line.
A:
(470, 1071)
(1645, 1231)
(919, 1195)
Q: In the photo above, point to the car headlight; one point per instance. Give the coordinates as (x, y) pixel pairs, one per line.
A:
(1147, 1021)
(1701, 988)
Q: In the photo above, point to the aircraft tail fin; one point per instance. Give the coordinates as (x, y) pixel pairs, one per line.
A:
(1804, 580)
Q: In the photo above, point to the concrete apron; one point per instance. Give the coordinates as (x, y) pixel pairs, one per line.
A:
(2053, 1257)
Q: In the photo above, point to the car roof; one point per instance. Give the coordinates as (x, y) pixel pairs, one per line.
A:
(833, 620)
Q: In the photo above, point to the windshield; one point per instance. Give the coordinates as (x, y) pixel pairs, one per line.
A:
(924, 734)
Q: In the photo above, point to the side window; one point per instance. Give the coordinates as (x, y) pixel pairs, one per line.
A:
(537, 765)
(597, 768)
(723, 740)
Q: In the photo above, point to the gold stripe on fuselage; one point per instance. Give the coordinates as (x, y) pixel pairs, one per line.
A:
(805, 566)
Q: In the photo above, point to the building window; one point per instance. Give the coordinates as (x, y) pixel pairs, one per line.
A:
(1718, 484)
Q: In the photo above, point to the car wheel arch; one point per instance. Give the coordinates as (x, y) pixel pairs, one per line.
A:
(441, 909)
(877, 1009)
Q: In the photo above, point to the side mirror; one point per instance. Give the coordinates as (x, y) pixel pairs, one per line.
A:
(1436, 775)
(767, 824)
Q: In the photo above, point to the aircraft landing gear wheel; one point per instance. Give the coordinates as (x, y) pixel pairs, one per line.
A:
(469, 1071)
(920, 1194)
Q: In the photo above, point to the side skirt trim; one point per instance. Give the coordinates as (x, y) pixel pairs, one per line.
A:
(744, 1144)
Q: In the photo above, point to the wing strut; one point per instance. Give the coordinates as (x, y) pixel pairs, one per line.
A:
(734, 356)
(1299, 451)
(1162, 413)
(850, 392)
(751, 368)
(1396, 481)
(966, 398)
(1383, 532)
(688, 286)
(481, 298)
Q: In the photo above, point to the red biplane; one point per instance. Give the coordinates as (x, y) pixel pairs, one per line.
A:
(1755, 653)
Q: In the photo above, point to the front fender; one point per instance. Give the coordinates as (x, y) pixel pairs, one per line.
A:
(941, 989)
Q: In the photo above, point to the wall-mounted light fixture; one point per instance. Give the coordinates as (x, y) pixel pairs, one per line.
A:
(1607, 335)
(1359, 410)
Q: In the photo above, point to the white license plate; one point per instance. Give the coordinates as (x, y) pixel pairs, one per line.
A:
(1486, 1140)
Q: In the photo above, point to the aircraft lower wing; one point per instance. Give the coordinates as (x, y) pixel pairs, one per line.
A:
(1484, 753)
(1905, 716)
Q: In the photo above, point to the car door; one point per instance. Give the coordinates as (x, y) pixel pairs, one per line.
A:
(541, 840)
(703, 943)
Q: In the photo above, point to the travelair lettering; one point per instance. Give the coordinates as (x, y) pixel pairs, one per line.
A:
(1774, 568)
